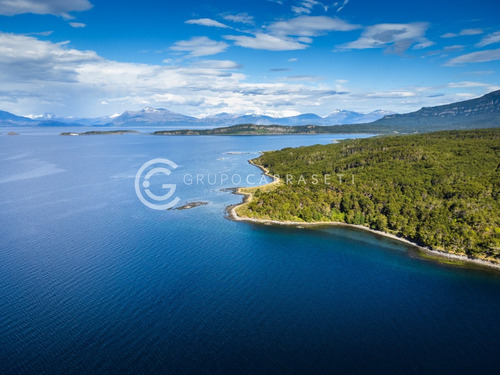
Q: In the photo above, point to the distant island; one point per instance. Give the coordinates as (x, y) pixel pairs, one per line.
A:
(101, 132)
(438, 190)
(252, 129)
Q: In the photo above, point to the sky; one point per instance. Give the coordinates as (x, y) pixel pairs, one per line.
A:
(90, 58)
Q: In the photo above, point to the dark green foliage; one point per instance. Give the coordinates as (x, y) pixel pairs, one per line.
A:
(251, 129)
(437, 189)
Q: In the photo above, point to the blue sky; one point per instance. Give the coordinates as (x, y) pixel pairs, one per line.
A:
(88, 58)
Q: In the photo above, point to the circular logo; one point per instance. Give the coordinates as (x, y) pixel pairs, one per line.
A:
(143, 184)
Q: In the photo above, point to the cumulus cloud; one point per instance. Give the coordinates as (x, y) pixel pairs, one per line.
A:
(55, 7)
(310, 26)
(489, 39)
(266, 42)
(398, 37)
(475, 57)
(31, 60)
(39, 76)
(207, 22)
(200, 46)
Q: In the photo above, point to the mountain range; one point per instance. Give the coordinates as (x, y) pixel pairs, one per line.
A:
(481, 112)
(162, 117)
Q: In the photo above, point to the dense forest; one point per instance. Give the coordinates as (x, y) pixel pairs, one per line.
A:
(251, 129)
(439, 190)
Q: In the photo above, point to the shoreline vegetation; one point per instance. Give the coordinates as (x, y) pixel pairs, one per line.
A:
(246, 210)
(435, 255)
(252, 129)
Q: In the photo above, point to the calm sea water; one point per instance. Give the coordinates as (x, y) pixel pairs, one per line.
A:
(92, 281)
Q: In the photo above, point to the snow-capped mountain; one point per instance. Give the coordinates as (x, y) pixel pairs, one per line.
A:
(338, 117)
(151, 116)
(479, 112)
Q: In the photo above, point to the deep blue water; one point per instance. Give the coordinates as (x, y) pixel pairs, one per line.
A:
(92, 281)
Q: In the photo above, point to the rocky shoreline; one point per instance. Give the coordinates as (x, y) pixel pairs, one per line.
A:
(439, 255)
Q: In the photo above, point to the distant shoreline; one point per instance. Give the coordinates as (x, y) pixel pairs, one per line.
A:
(247, 196)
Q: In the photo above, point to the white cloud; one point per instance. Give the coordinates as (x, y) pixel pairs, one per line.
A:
(55, 7)
(489, 39)
(467, 84)
(207, 22)
(39, 76)
(293, 34)
(471, 32)
(239, 18)
(41, 33)
(305, 39)
(397, 36)
(464, 32)
(30, 59)
(449, 35)
(300, 10)
(218, 64)
(343, 5)
(307, 6)
(391, 94)
(293, 59)
(77, 25)
(310, 26)
(475, 57)
(423, 44)
(266, 42)
(200, 46)
(456, 47)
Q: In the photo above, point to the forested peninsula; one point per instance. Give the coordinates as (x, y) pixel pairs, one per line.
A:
(438, 190)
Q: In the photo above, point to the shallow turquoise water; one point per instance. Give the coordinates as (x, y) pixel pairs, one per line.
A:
(91, 280)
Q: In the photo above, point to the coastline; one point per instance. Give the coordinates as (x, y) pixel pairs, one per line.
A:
(435, 255)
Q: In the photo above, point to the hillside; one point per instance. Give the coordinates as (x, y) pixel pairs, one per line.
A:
(440, 190)
(9, 119)
(475, 113)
